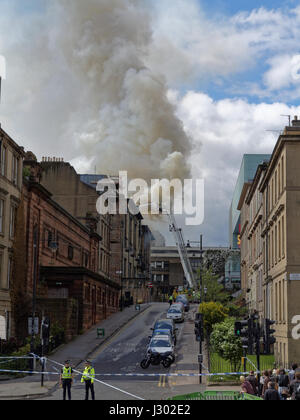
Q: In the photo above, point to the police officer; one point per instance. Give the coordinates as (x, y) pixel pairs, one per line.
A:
(66, 379)
(88, 379)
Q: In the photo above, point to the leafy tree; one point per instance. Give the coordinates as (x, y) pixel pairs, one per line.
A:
(226, 344)
(213, 313)
(213, 290)
(237, 311)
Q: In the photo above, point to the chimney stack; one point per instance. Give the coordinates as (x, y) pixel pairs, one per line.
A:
(296, 122)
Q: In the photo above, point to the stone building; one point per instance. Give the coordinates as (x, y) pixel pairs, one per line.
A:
(11, 157)
(130, 242)
(63, 275)
(270, 243)
(167, 271)
(251, 208)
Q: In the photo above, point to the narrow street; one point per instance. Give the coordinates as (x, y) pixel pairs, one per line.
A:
(123, 354)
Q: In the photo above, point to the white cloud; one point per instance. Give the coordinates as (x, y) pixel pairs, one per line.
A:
(227, 129)
(283, 72)
(189, 45)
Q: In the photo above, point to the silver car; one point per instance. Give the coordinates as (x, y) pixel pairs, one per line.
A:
(175, 312)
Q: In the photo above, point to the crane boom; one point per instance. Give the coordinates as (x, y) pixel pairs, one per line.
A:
(184, 258)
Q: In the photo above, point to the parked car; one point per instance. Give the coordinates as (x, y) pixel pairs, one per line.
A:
(185, 301)
(176, 313)
(168, 325)
(180, 304)
(160, 332)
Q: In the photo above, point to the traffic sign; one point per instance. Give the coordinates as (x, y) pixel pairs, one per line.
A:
(35, 325)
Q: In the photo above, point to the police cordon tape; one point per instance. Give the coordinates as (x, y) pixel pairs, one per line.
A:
(31, 372)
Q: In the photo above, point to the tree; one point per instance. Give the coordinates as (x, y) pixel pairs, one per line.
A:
(226, 344)
(213, 290)
(213, 313)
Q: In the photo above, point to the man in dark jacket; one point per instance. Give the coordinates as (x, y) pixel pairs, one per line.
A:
(295, 387)
(271, 393)
(253, 381)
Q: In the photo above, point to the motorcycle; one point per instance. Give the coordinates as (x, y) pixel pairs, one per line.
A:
(154, 358)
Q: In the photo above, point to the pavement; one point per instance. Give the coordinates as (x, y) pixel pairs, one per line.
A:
(78, 350)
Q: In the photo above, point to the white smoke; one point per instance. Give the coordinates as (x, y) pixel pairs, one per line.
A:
(123, 119)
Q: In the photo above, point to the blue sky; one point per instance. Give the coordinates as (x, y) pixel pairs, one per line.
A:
(235, 6)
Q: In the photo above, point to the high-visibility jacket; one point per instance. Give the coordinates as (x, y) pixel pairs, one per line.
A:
(66, 373)
(88, 374)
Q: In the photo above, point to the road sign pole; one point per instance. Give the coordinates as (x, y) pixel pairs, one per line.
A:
(258, 353)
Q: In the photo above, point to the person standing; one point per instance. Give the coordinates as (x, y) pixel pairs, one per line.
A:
(283, 383)
(87, 378)
(271, 393)
(253, 381)
(246, 386)
(66, 379)
(267, 379)
(294, 387)
(292, 372)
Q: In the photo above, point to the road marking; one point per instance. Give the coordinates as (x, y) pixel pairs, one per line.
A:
(104, 346)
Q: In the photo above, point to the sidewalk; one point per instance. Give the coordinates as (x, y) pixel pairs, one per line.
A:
(79, 349)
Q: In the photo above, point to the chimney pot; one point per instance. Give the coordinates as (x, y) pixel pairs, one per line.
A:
(296, 122)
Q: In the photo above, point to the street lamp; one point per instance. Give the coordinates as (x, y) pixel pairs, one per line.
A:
(202, 292)
(201, 262)
(121, 281)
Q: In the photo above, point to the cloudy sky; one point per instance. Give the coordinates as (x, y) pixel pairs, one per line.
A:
(152, 85)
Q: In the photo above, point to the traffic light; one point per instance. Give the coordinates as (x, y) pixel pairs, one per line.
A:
(268, 335)
(238, 328)
(245, 331)
(199, 327)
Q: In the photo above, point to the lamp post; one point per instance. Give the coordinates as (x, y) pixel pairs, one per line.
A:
(34, 283)
(200, 356)
(200, 243)
(121, 283)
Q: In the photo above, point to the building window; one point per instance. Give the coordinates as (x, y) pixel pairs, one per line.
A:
(2, 216)
(283, 237)
(12, 222)
(15, 170)
(282, 173)
(9, 272)
(1, 268)
(3, 155)
(70, 252)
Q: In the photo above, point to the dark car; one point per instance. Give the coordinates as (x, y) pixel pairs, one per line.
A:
(168, 325)
(185, 301)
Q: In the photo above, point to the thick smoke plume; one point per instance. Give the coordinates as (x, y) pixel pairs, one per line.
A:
(124, 121)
